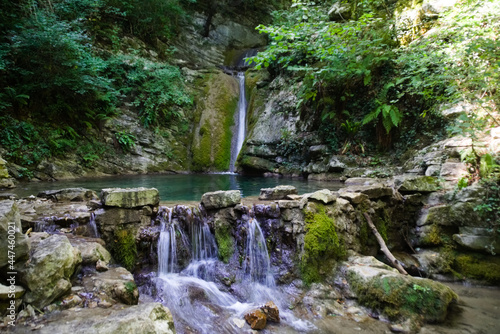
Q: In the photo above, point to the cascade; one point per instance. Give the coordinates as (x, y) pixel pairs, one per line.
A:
(167, 242)
(93, 227)
(257, 265)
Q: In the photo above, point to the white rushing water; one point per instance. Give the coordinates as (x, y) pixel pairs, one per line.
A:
(196, 302)
(240, 123)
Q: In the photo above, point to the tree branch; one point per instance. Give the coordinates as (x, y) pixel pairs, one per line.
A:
(383, 246)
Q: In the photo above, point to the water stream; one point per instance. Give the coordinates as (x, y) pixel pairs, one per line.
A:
(198, 304)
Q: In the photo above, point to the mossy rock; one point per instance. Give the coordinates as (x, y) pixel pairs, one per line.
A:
(322, 246)
(478, 267)
(225, 240)
(398, 296)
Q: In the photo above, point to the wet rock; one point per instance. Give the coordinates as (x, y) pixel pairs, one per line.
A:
(257, 319)
(117, 283)
(256, 164)
(101, 266)
(239, 322)
(431, 262)
(69, 195)
(10, 227)
(277, 193)
(272, 312)
(47, 275)
(130, 197)
(420, 184)
(398, 296)
(221, 199)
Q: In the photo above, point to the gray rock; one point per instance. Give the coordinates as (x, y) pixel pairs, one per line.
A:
(482, 243)
(91, 251)
(117, 283)
(324, 195)
(221, 199)
(6, 293)
(277, 193)
(354, 198)
(256, 163)
(288, 204)
(47, 275)
(420, 184)
(69, 194)
(373, 191)
(10, 225)
(147, 318)
(130, 197)
(452, 171)
(335, 165)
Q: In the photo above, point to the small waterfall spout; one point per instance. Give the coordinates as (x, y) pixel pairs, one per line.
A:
(167, 243)
(93, 227)
(257, 265)
(204, 252)
(240, 123)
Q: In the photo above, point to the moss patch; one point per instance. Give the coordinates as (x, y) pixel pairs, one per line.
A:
(404, 297)
(225, 240)
(322, 245)
(124, 248)
(478, 266)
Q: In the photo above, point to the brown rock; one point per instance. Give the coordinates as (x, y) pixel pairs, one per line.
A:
(256, 319)
(272, 312)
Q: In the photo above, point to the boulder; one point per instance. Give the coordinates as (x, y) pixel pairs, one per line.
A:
(11, 236)
(69, 195)
(90, 250)
(398, 296)
(324, 195)
(117, 283)
(221, 199)
(257, 319)
(277, 193)
(130, 197)
(272, 312)
(420, 184)
(354, 198)
(373, 191)
(48, 273)
(478, 239)
(147, 318)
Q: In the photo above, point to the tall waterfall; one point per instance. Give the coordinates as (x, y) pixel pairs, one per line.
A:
(240, 123)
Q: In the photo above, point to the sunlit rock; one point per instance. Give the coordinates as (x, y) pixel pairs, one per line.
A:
(130, 197)
(221, 199)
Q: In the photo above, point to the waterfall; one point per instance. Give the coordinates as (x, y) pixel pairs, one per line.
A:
(93, 227)
(167, 242)
(240, 123)
(204, 252)
(257, 265)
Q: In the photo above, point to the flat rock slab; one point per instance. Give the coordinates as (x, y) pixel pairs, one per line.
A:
(69, 194)
(221, 199)
(130, 197)
(150, 318)
(420, 184)
(277, 193)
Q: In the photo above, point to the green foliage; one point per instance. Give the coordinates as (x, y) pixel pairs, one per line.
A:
(126, 140)
(322, 246)
(124, 247)
(161, 93)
